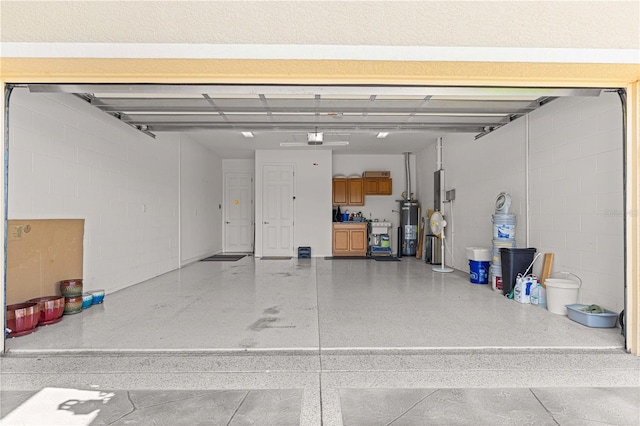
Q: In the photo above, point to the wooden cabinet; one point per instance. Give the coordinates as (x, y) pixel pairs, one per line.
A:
(356, 192)
(349, 239)
(348, 192)
(340, 190)
(377, 186)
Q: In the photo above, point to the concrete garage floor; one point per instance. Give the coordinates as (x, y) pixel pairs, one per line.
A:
(354, 342)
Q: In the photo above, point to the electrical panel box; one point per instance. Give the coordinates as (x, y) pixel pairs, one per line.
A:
(450, 195)
(438, 186)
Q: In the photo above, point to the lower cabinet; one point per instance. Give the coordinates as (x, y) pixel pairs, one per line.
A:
(350, 239)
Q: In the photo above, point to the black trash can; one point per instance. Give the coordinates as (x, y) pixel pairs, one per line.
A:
(514, 261)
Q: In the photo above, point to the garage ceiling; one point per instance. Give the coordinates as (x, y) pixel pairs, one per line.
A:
(216, 115)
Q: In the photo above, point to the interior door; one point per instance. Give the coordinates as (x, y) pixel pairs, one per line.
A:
(238, 212)
(277, 210)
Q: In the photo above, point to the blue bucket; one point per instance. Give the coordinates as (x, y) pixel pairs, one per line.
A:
(479, 272)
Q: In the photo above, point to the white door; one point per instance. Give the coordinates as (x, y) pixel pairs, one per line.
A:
(238, 212)
(277, 210)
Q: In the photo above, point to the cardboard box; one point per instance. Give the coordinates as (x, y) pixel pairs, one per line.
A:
(41, 253)
(376, 174)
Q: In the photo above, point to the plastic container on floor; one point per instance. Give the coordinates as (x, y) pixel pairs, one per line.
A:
(607, 319)
(539, 296)
(514, 261)
(496, 277)
(304, 252)
(534, 294)
(479, 254)
(479, 272)
(561, 292)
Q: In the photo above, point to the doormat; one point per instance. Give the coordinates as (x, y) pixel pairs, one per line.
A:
(275, 258)
(344, 257)
(387, 259)
(223, 257)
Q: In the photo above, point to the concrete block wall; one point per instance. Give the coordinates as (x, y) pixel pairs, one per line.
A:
(69, 160)
(576, 190)
(576, 171)
(478, 170)
(200, 201)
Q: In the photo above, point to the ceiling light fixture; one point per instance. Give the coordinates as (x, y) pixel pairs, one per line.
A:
(247, 134)
(336, 143)
(316, 137)
(382, 135)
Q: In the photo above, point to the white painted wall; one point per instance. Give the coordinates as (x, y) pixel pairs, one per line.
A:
(478, 171)
(68, 160)
(238, 165)
(200, 201)
(577, 211)
(312, 188)
(576, 198)
(379, 206)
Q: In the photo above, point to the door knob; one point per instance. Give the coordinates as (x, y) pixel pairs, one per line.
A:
(266, 223)
(227, 222)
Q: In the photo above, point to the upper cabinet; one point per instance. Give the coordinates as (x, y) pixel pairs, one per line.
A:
(356, 191)
(377, 186)
(348, 192)
(340, 192)
(351, 191)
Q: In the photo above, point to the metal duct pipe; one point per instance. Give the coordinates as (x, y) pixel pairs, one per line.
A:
(439, 154)
(407, 172)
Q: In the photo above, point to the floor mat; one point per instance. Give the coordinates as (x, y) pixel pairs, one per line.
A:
(227, 257)
(344, 257)
(387, 259)
(275, 258)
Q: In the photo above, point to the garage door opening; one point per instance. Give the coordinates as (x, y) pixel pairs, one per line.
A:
(144, 165)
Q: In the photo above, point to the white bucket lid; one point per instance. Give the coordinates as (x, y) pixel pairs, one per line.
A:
(561, 283)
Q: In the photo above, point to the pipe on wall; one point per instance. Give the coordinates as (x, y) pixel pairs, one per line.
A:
(526, 181)
(407, 172)
(438, 153)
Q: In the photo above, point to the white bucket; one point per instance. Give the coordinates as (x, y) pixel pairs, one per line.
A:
(561, 292)
(479, 254)
(495, 277)
(504, 226)
(497, 245)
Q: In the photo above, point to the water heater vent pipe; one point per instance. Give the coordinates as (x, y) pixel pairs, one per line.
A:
(439, 154)
(407, 175)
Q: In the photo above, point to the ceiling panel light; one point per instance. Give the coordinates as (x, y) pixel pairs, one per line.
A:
(382, 135)
(247, 134)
